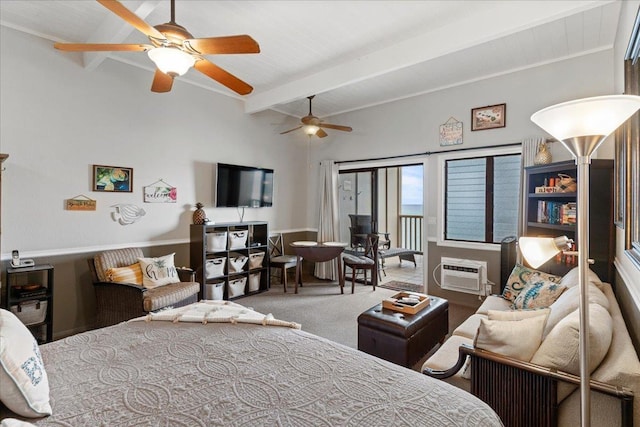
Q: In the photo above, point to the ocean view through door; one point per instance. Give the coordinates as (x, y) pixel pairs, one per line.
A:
(389, 201)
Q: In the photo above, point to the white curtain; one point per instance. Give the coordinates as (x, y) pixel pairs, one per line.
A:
(328, 227)
(529, 150)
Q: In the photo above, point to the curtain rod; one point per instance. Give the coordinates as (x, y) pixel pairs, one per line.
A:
(428, 153)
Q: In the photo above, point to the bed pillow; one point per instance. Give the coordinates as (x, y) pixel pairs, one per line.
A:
(25, 386)
(538, 293)
(158, 271)
(514, 338)
(518, 279)
(561, 348)
(129, 274)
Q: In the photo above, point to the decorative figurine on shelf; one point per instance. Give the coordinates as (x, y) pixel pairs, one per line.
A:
(199, 215)
(543, 156)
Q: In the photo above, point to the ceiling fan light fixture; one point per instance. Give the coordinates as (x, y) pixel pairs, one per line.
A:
(171, 60)
(311, 129)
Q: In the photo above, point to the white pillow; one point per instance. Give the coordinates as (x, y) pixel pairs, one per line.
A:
(158, 271)
(561, 348)
(571, 278)
(514, 338)
(25, 386)
(516, 314)
(569, 301)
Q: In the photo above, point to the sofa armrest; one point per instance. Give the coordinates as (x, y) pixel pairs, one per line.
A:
(117, 284)
(186, 274)
(435, 373)
(533, 386)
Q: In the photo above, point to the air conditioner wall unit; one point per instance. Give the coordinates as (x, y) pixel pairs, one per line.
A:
(464, 275)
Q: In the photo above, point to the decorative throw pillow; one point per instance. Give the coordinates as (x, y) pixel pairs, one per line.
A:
(518, 280)
(538, 293)
(158, 271)
(25, 386)
(561, 348)
(129, 274)
(514, 338)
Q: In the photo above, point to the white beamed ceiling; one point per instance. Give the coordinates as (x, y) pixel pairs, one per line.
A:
(351, 54)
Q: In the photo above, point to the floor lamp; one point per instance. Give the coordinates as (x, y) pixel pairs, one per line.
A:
(582, 125)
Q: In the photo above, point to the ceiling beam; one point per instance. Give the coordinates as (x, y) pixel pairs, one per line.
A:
(490, 24)
(114, 30)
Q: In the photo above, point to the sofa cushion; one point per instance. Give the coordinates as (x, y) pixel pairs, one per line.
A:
(158, 271)
(560, 349)
(514, 338)
(469, 327)
(446, 357)
(569, 302)
(517, 314)
(571, 278)
(518, 280)
(494, 302)
(539, 293)
(24, 386)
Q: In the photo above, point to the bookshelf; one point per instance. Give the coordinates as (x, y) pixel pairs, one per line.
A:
(544, 213)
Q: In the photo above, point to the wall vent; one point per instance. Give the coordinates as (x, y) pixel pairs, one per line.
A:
(463, 275)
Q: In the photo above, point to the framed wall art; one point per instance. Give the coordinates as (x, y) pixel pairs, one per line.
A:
(489, 117)
(112, 178)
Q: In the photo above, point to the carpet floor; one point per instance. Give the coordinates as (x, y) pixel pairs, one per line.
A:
(402, 286)
(322, 310)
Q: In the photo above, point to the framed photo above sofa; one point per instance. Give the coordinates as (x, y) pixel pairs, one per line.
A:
(489, 117)
(112, 178)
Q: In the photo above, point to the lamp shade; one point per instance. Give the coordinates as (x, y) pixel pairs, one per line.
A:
(597, 116)
(538, 250)
(171, 60)
(311, 129)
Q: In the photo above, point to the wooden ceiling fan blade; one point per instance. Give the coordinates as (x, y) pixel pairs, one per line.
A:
(290, 130)
(223, 45)
(161, 82)
(86, 47)
(320, 133)
(336, 127)
(223, 77)
(133, 19)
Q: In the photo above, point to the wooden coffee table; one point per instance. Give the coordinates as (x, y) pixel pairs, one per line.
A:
(403, 338)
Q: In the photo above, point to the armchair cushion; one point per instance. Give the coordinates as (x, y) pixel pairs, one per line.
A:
(129, 274)
(115, 258)
(165, 296)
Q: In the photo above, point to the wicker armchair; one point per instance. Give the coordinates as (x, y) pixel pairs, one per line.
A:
(118, 302)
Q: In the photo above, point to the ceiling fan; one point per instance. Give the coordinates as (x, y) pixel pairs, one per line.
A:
(313, 125)
(174, 50)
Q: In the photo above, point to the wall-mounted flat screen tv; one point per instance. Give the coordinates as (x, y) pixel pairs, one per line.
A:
(243, 186)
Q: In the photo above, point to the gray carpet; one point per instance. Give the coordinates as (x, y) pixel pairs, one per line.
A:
(322, 310)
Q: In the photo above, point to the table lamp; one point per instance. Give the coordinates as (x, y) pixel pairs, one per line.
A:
(581, 126)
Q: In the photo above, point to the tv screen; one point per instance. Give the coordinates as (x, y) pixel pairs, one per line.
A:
(243, 186)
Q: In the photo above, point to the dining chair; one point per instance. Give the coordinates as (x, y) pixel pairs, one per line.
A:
(368, 261)
(278, 259)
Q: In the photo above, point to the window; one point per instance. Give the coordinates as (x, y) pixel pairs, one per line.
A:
(481, 198)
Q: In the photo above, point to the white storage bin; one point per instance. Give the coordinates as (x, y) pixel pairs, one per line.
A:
(217, 241)
(255, 259)
(254, 282)
(237, 262)
(214, 291)
(236, 287)
(238, 239)
(30, 312)
(215, 267)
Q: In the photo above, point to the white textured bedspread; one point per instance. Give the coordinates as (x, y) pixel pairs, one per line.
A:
(162, 373)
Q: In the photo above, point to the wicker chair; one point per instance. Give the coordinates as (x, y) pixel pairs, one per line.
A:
(118, 302)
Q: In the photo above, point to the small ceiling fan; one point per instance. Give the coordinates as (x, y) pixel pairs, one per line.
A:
(313, 125)
(174, 50)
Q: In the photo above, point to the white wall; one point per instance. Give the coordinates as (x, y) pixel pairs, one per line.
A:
(57, 120)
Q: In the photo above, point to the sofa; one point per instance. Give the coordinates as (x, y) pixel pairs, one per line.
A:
(515, 357)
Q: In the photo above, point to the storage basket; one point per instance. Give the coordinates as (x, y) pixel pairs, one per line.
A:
(215, 267)
(566, 183)
(238, 239)
(217, 241)
(214, 291)
(237, 262)
(255, 259)
(254, 282)
(30, 312)
(236, 287)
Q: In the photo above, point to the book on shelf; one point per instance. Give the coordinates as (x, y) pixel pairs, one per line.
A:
(559, 213)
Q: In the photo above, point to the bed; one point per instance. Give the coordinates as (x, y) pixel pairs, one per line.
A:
(201, 366)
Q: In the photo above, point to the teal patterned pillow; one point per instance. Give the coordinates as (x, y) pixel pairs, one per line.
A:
(519, 278)
(538, 293)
